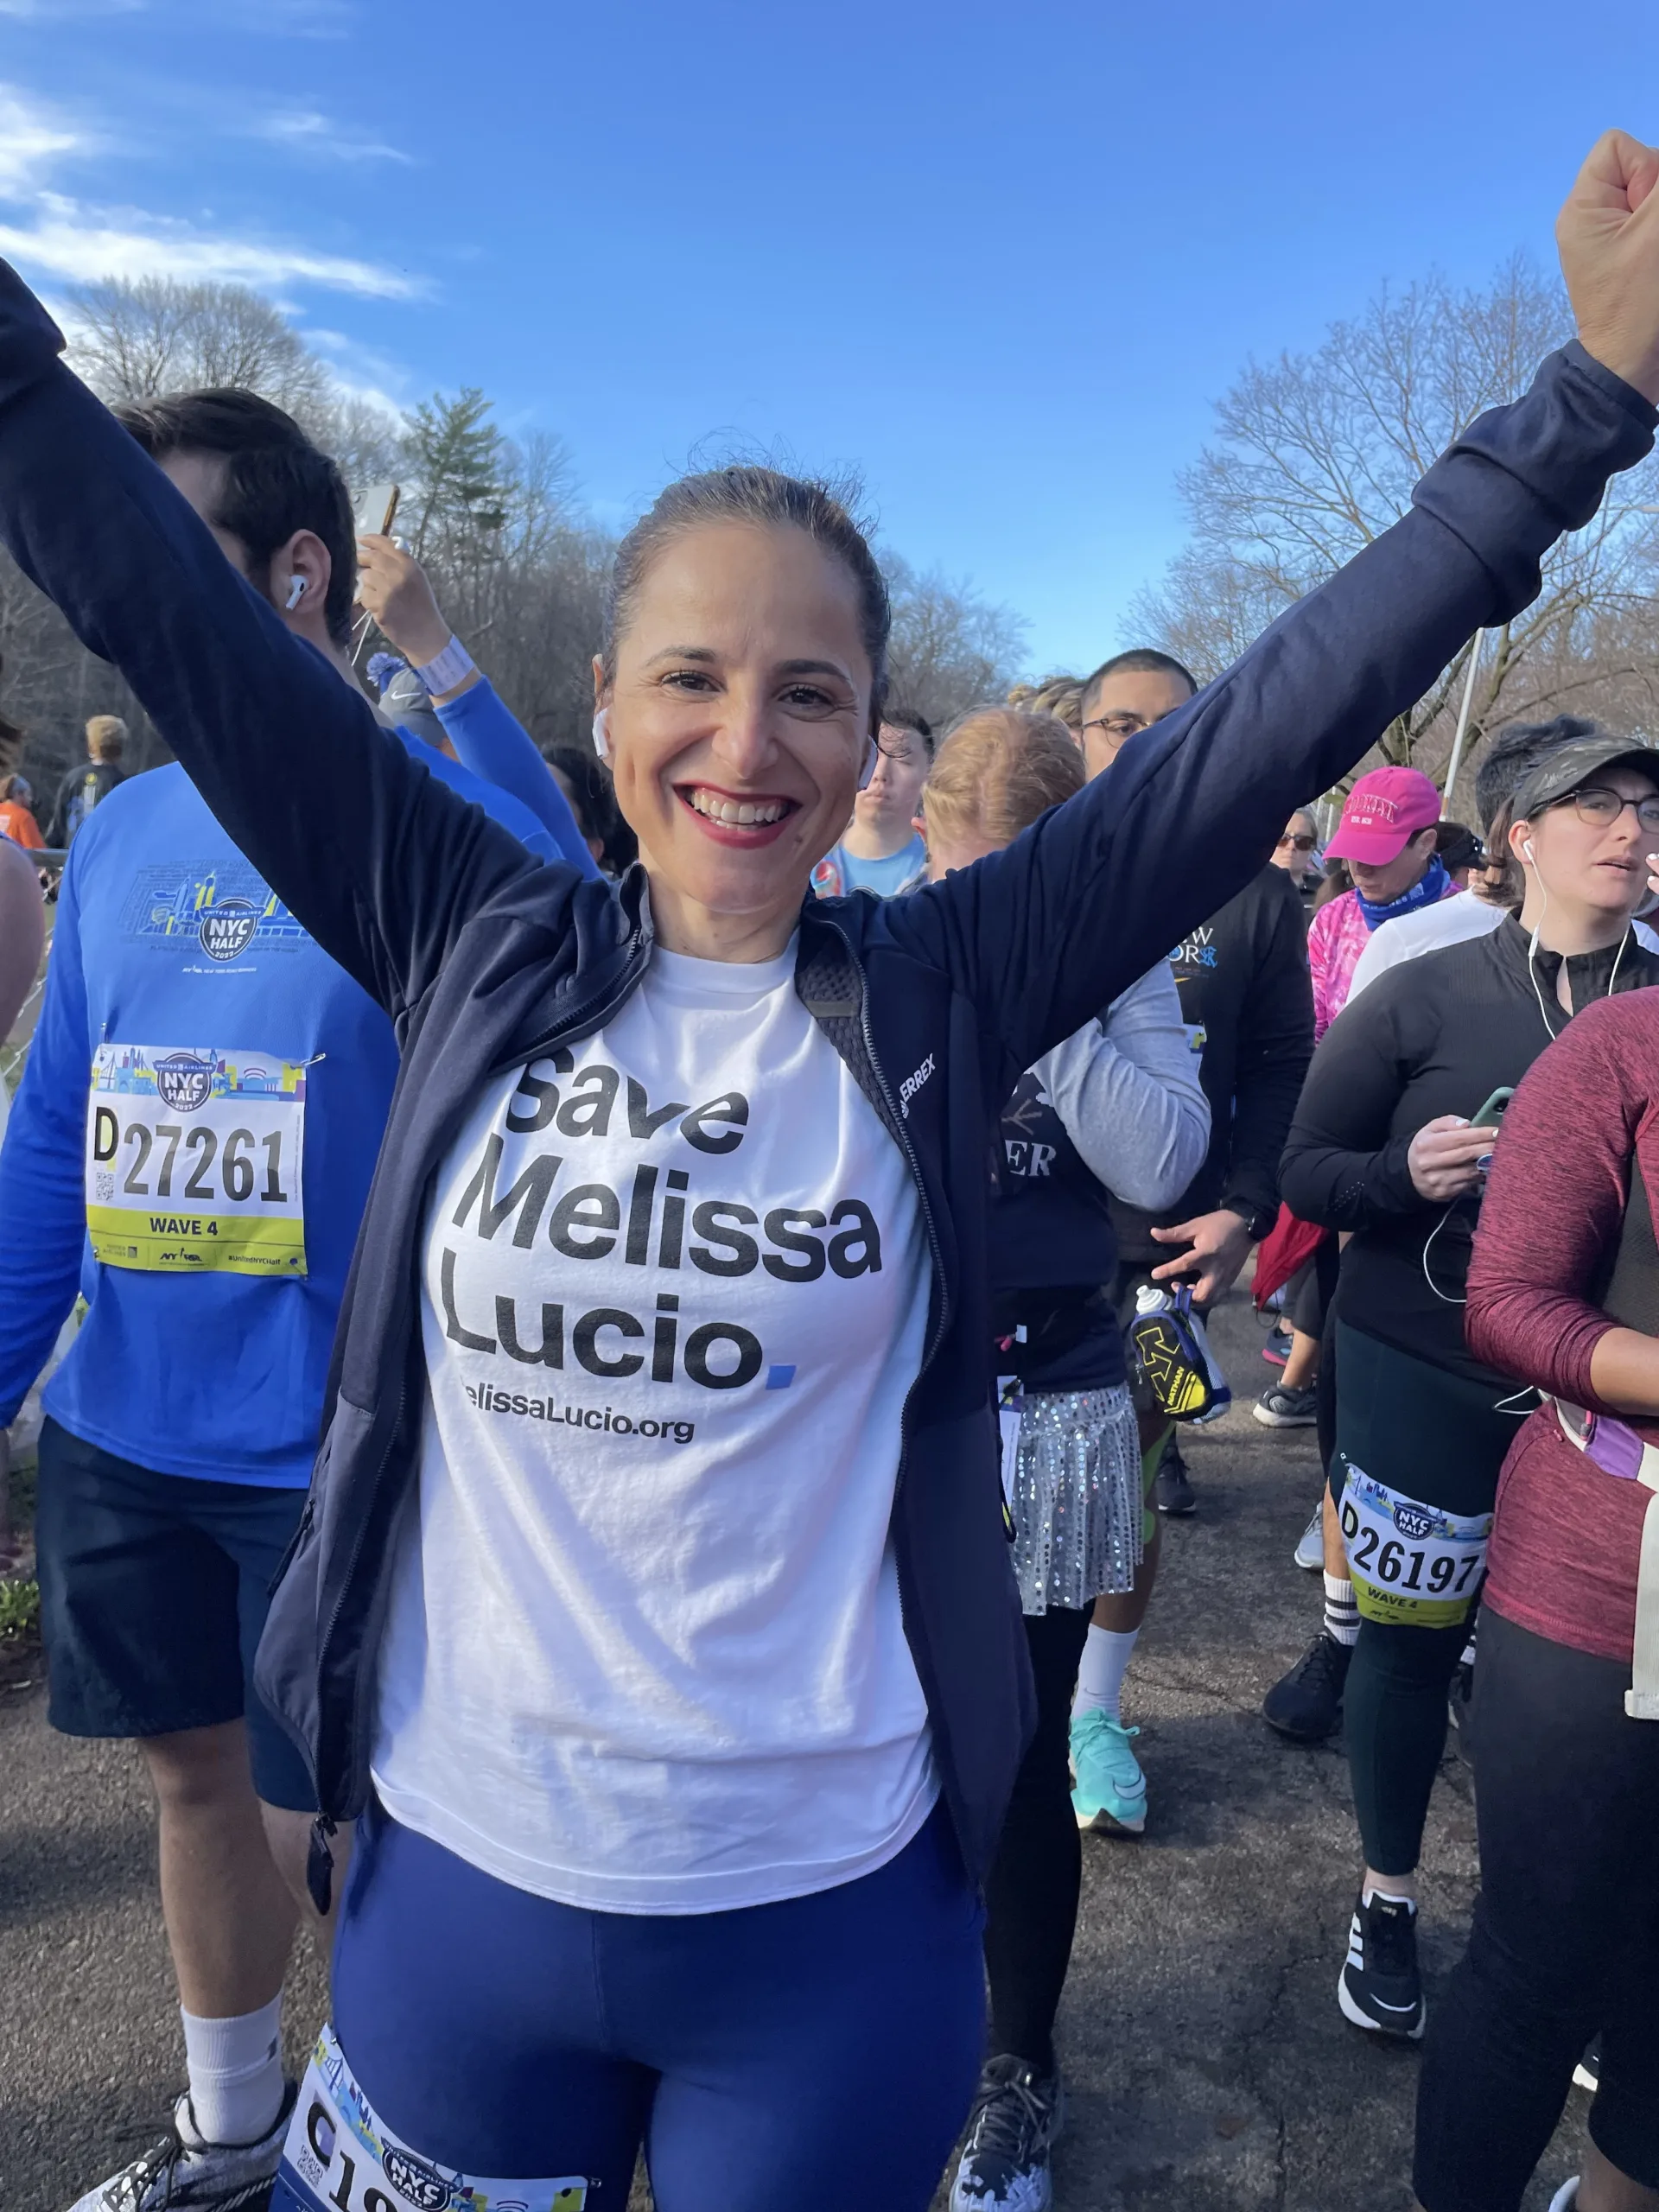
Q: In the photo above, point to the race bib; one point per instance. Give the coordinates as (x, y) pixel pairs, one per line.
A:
(340, 2157)
(195, 1160)
(1410, 1564)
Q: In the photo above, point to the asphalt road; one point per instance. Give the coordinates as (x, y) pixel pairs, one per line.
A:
(1208, 2069)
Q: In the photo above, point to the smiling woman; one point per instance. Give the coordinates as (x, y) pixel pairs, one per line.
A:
(678, 1768)
(742, 680)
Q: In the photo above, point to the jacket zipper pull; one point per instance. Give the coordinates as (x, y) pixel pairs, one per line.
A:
(320, 1864)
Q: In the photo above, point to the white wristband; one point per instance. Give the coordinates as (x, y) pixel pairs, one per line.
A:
(450, 667)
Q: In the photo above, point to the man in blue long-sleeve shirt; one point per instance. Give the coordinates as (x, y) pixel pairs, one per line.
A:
(203, 1194)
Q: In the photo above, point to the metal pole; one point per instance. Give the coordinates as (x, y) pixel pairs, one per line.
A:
(1476, 643)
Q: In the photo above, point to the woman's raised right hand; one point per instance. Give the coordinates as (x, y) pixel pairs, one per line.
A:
(1441, 1160)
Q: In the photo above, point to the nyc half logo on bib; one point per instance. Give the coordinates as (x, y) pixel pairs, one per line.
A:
(341, 2157)
(195, 1160)
(1411, 1563)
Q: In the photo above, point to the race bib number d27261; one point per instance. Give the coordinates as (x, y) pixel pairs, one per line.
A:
(1410, 1563)
(195, 1160)
(339, 2156)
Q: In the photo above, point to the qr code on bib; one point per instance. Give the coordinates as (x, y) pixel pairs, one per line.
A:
(104, 1187)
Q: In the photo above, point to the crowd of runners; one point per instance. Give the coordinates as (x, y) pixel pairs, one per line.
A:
(707, 1685)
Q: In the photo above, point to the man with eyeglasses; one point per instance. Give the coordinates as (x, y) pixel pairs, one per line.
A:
(1248, 1010)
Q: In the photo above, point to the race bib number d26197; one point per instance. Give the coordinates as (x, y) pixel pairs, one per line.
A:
(1410, 1563)
(339, 2156)
(195, 1160)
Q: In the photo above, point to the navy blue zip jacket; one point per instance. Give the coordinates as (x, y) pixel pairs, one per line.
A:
(937, 1002)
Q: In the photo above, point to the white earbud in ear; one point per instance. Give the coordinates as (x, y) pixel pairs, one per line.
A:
(295, 592)
(602, 734)
(872, 752)
(1527, 848)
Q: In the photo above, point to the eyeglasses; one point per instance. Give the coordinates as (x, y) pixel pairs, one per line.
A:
(1302, 844)
(1119, 728)
(1596, 804)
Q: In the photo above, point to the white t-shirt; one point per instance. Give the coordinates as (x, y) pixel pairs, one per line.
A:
(1453, 921)
(643, 1651)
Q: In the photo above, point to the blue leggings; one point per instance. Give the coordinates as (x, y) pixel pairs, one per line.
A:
(816, 2053)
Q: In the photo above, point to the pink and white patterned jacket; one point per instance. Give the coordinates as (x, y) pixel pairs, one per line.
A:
(1335, 941)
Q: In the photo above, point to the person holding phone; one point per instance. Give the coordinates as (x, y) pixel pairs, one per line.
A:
(651, 1615)
(1398, 1119)
(1564, 1292)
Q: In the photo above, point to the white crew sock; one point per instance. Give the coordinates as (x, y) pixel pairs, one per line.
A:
(1341, 1611)
(235, 2069)
(1106, 1654)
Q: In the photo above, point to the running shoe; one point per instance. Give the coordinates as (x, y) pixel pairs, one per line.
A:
(1016, 2121)
(1380, 1988)
(1566, 2196)
(1586, 2074)
(1276, 1350)
(1172, 1492)
(1310, 1545)
(1278, 1408)
(1306, 1704)
(182, 2173)
(1111, 1793)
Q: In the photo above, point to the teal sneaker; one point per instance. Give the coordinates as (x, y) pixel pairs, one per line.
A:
(1111, 1791)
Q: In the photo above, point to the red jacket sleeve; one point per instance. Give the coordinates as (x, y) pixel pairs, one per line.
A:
(1555, 1200)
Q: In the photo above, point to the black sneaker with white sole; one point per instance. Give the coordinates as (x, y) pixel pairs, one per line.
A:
(1380, 1988)
(1306, 1704)
(1018, 2113)
(1279, 1406)
(184, 2173)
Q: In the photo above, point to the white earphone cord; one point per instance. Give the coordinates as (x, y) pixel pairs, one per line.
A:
(1550, 1030)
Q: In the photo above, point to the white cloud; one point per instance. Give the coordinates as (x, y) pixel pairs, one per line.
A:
(72, 240)
(82, 245)
(33, 138)
(305, 131)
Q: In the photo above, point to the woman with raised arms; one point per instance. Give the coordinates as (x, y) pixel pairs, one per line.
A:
(678, 1739)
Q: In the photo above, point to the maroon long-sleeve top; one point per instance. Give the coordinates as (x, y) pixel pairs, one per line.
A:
(1566, 1251)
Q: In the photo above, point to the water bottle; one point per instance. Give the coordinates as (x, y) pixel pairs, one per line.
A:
(1170, 1357)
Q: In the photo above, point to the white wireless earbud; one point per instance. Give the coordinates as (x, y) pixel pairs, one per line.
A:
(295, 592)
(872, 752)
(602, 734)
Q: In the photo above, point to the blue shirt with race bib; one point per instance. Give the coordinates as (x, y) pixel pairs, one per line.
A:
(205, 1198)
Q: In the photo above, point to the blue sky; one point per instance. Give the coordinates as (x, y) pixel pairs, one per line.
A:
(1001, 257)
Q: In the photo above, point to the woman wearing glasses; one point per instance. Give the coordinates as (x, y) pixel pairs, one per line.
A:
(1295, 850)
(1395, 1123)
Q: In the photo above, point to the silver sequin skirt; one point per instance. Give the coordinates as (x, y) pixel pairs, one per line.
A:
(1077, 1497)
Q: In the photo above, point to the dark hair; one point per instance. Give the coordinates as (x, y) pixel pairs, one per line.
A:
(1332, 884)
(593, 801)
(1140, 660)
(1457, 846)
(907, 718)
(276, 481)
(1516, 752)
(764, 497)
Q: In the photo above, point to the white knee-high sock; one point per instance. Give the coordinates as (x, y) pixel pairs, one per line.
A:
(235, 2069)
(1106, 1654)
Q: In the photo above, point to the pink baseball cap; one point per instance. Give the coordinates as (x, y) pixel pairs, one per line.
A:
(1381, 813)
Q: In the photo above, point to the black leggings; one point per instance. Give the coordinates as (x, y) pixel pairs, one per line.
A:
(1435, 1437)
(1030, 1892)
(1565, 1933)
